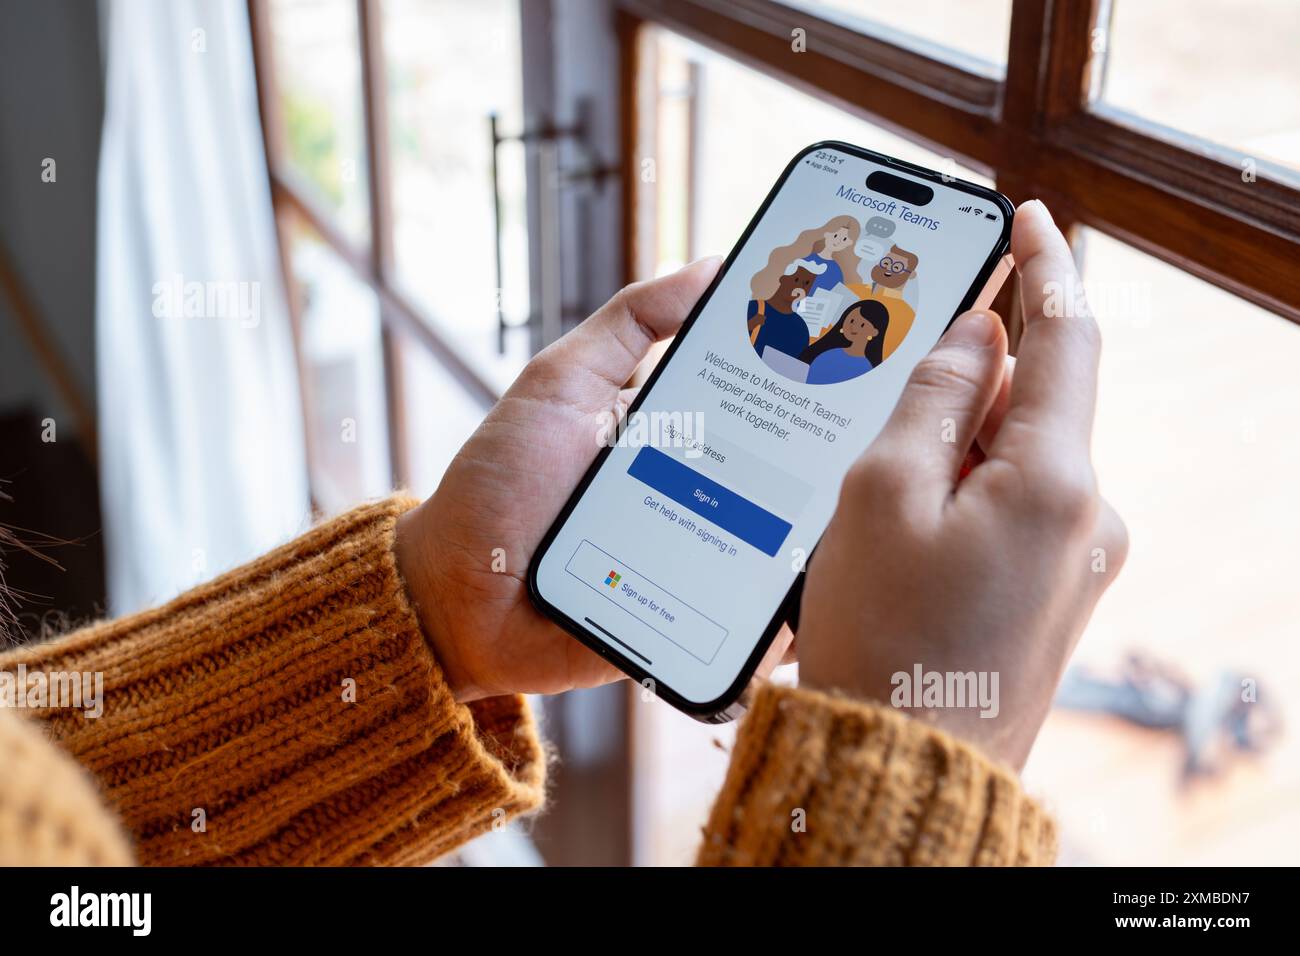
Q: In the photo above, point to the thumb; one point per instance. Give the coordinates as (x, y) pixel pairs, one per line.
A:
(945, 401)
(617, 336)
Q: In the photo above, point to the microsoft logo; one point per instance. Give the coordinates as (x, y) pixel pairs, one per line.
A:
(612, 579)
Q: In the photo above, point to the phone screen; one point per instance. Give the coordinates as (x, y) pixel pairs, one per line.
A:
(676, 556)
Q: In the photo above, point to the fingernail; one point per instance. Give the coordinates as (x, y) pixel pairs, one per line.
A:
(973, 330)
(1041, 205)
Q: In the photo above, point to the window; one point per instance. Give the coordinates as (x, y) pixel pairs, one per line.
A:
(1175, 181)
(398, 152)
(378, 205)
(719, 150)
(1162, 133)
(1195, 443)
(341, 361)
(710, 108)
(320, 100)
(440, 150)
(1226, 72)
(977, 29)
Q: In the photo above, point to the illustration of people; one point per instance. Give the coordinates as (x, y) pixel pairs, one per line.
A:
(824, 251)
(853, 346)
(773, 318)
(889, 276)
(831, 245)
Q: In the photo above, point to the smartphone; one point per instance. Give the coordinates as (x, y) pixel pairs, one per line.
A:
(681, 552)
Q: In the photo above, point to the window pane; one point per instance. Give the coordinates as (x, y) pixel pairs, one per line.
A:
(441, 161)
(439, 416)
(974, 28)
(705, 211)
(704, 197)
(342, 356)
(1196, 445)
(317, 68)
(680, 83)
(1228, 72)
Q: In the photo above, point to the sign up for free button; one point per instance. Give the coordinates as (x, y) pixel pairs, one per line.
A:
(647, 602)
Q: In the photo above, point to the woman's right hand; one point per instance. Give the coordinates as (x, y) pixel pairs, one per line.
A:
(1001, 572)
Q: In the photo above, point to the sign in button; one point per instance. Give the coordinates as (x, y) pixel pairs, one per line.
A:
(686, 486)
(647, 602)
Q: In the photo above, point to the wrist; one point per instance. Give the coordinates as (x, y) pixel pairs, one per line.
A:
(1002, 737)
(419, 571)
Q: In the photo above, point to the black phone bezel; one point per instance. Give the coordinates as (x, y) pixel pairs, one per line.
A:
(717, 710)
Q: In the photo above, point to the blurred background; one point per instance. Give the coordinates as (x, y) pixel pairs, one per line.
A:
(263, 259)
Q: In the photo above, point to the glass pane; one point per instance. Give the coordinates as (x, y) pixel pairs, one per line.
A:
(318, 76)
(439, 416)
(342, 356)
(1196, 446)
(978, 29)
(680, 79)
(1228, 72)
(441, 162)
(705, 212)
(704, 198)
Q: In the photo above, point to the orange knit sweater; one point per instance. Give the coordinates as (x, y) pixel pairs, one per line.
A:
(291, 712)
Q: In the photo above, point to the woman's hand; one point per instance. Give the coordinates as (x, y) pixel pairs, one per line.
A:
(1001, 572)
(464, 553)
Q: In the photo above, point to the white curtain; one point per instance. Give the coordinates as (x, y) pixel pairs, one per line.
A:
(202, 452)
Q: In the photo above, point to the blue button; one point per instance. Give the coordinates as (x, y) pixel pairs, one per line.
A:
(710, 500)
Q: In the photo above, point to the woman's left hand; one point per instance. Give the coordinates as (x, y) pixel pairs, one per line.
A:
(508, 484)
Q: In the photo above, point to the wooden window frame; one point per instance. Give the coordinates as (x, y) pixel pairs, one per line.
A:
(1035, 131)
(591, 820)
(292, 198)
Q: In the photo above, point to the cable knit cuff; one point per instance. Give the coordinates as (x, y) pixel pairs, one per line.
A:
(821, 780)
(291, 712)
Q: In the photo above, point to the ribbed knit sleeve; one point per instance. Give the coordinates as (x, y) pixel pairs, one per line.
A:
(291, 712)
(821, 780)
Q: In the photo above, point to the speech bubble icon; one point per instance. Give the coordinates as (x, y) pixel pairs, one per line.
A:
(880, 226)
(871, 244)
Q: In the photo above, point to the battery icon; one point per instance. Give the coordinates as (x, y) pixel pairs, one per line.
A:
(989, 215)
